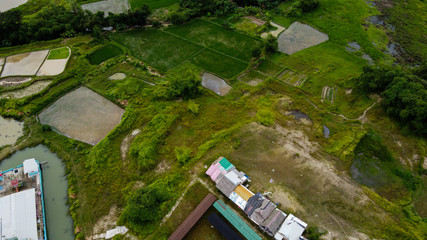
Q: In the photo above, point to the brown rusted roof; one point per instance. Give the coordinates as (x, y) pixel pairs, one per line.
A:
(192, 219)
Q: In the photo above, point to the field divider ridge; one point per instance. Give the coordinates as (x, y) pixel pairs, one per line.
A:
(188, 59)
(213, 50)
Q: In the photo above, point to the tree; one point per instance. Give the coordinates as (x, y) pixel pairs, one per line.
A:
(270, 45)
(185, 84)
(97, 34)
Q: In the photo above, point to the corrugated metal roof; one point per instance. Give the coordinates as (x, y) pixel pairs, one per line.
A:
(236, 221)
(192, 219)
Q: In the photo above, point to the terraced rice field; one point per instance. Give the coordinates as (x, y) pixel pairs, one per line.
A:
(83, 115)
(293, 78)
(34, 88)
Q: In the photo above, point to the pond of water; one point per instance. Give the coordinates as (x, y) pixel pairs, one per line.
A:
(10, 131)
(59, 223)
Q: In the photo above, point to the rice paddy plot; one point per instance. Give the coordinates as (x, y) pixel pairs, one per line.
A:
(104, 53)
(216, 84)
(253, 77)
(59, 53)
(159, 49)
(153, 4)
(270, 68)
(14, 81)
(106, 6)
(292, 77)
(218, 38)
(6, 5)
(55, 62)
(1, 61)
(83, 115)
(34, 88)
(298, 37)
(328, 93)
(24, 64)
(219, 64)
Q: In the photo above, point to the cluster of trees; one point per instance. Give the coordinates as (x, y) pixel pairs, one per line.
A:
(56, 21)
(301, 6)
(185, 84)
(404, 95)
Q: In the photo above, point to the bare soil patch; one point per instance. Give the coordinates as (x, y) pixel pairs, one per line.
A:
(25, 64)
(13, 81)
(117, 76)
(34, 88)
(216, 84)
(310, 185)
(300, 36)
(83, 115)
(276, 32)
(255, 20)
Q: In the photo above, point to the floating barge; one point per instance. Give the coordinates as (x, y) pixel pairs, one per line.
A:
(22, 214)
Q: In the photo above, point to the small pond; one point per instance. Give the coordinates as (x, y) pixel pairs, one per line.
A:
(59, 223)
(10, 131)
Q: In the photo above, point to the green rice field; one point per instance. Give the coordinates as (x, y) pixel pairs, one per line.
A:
(106, 52)
(204, 44)
(59, 53)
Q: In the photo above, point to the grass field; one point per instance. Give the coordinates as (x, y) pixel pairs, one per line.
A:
(59, 53)
(270, 68)
(216, 37)
(153, 4)
(106, 52)
(205, 44)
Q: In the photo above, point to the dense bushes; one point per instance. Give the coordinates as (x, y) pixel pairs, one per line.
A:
(184, 84)
(56, 21)
(405, 96)
(302, 6)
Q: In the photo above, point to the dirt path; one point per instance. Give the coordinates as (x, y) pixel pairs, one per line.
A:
(363, 118)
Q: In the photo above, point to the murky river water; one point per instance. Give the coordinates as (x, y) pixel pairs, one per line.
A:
(59, 223)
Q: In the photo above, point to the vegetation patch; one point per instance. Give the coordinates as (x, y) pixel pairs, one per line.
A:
(34, 88)
(270, 68)
(106, 52)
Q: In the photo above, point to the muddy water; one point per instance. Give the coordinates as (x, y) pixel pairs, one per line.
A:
(59, 223)
(10, 131)
(9, 4)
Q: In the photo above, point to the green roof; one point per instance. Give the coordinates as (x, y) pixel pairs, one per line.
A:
(236, 221)
(225, 164)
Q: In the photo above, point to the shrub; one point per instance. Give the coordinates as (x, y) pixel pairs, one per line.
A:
(270, 45)
(183, 154)
(265, 117)
(184, 84)
(193, 107)
(256, 52)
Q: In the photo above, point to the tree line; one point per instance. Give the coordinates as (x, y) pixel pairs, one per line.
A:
(56, 21)
(404, 94)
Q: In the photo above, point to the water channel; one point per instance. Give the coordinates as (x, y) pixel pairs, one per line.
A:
(59, 223)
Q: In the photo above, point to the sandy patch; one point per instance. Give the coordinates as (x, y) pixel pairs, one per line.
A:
(52, 67)
(28, 91)
(24, 64)
(124, 147)
(117, 76)
(13, 81)
(216, 84)
(10, 131)
(106, 222)
(276, 32)
(114, 6)
(298, 37)
(9, 4)
(83, 115)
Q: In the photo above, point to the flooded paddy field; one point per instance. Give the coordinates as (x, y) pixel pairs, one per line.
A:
(83, 115)
(24, 64)
(34, 88)
(13, 81)
(216, 84)
(10, 131)
(113, 6)
(55, 62)
(55, 188)
(6, 5)
(299, 36)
